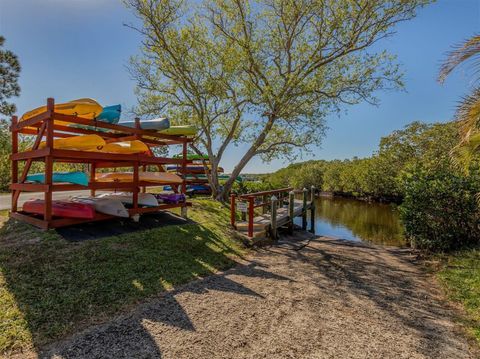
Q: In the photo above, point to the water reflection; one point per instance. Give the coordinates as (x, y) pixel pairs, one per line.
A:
(359, 221)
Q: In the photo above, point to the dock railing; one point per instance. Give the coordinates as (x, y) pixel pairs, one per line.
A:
(247, 203)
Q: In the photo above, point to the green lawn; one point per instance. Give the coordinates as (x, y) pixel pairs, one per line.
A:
(460, 274)
(50, 287)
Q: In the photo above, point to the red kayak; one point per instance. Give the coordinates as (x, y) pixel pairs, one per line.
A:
(61, 209)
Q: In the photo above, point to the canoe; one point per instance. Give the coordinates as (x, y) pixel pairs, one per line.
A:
(180, 130)
(155, 177)
(192, 156)
(77, 143)
(64, 209)
(110, 114)
(111, 206)
(83, 107)
(168, 198)
(144, 199)
(77, 177)
(125, 147)
(158, 124)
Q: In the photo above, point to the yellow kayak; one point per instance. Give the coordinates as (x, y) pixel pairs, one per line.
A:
(83, 107)
(125, 147)
(77, 143)
(156, 177)
(180, 130)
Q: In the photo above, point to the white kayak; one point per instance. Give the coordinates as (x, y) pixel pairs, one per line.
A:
(111, 206)
(144, 199)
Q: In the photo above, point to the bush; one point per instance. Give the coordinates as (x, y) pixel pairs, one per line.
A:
(250, 187)
(440, 209)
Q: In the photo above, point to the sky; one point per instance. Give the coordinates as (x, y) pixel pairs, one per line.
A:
(80, 48)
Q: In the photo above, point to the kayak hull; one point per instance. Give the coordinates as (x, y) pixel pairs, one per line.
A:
(157, 124)
(80, 178)
(193, 157)
(180, 130)
(110, 114)
(109, 206)
(170, 198)
(123, 147)
(84, 107)
(63, 209)
(154, 177)
(144, 199)
(77, 143)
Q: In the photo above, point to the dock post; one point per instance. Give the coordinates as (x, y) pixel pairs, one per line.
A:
(251, 209)
(304, 209)
(312, 209)
(273, 217)
(291, 208)
(232, 210)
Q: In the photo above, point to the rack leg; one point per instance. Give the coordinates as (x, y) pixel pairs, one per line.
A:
(47, 216)
(14, 163)
(93, 169)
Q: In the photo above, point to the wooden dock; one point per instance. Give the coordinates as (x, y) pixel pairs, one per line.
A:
(277, 211)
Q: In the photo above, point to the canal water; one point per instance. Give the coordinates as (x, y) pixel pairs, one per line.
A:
(355, 220)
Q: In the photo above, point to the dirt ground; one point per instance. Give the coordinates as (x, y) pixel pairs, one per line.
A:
(328, 299)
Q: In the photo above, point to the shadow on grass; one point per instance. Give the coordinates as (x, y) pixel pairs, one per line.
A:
(50, 288)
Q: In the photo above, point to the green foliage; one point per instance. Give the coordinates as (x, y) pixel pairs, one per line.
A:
(440, 210)
(251, 187)
(460, 274)
(9, 72)
(379, 176)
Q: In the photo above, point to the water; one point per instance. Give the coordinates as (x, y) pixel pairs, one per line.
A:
(358, 221)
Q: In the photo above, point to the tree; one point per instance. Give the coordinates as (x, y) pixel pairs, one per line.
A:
(9, 72)
(468, 112)
(267, 72)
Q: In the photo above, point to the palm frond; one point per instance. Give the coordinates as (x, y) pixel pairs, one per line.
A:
(468, 115)
(461, 53)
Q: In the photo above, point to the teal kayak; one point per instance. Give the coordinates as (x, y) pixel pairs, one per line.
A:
(78, 177)
(110, 114)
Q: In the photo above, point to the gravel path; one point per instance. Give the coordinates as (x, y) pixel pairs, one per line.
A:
(330, 299)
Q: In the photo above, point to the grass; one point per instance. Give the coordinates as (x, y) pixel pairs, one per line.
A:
(459, 272)
(50, 288)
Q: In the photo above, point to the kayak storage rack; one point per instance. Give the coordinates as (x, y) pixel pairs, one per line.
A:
(44, 127)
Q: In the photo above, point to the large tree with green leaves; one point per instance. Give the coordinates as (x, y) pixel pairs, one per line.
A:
(264, 73)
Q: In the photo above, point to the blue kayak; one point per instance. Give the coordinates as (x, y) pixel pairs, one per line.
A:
(155, 124)
(110, 114)
(78, 177)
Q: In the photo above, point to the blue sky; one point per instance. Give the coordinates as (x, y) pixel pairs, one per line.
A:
(79, 48)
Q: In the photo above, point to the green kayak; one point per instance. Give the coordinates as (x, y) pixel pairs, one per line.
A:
(192, 156)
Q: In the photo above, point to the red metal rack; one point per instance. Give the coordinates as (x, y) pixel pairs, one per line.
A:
(43, 126)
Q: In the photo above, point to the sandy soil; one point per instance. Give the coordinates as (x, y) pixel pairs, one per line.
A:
(329, 299)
